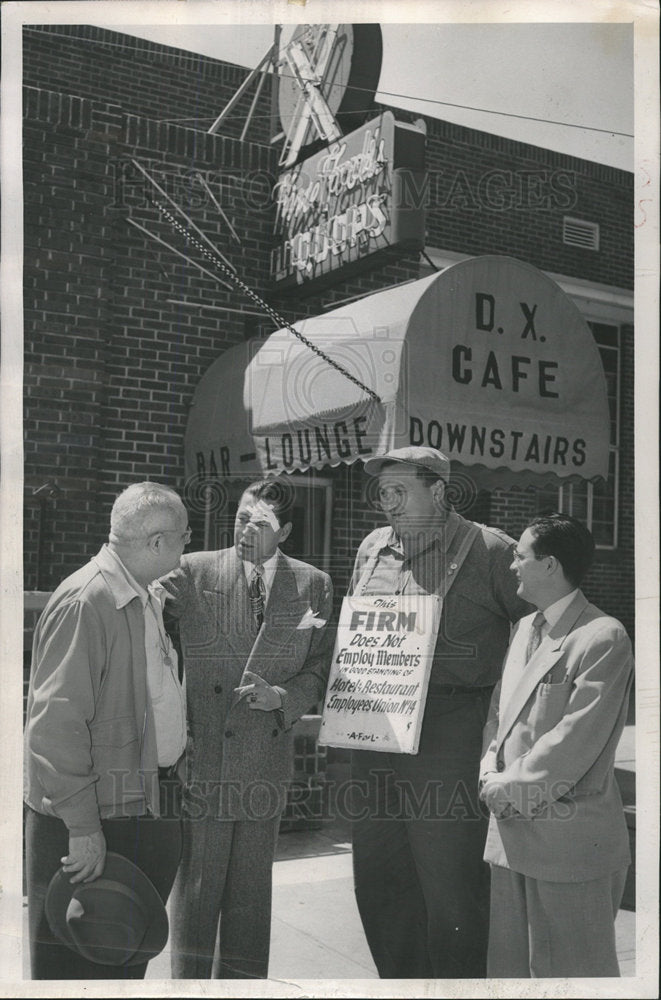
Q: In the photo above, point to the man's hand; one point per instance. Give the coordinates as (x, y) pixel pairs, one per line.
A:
(260, 695)
(484, 777)
(86, 857)
(493, 794)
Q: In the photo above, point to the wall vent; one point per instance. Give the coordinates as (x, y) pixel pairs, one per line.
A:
(579, 233)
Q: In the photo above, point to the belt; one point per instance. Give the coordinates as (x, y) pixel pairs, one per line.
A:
(169, 772)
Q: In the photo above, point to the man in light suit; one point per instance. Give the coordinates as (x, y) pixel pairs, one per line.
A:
(256, 656)
(557, 842)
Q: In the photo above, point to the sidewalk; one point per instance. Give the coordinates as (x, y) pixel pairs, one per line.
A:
(316, 930)
(317, 933)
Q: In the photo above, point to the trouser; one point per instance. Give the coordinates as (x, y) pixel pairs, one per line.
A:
(421, 885)
(153, 844)
(553, 929)
(224, 878)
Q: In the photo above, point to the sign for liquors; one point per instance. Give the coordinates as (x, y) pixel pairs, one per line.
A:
(359, 196)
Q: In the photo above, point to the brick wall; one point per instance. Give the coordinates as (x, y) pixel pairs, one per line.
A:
(488, 194)
(144, 78)
(119, 329)
(113, 350)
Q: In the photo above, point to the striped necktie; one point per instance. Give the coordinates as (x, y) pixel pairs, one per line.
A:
(257, 594)
(535, 636)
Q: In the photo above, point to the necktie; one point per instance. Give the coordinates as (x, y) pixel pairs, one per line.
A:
(535, 636)
(256, 593)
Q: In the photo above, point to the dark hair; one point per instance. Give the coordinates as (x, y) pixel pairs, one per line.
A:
(276, 492)
(568, 540)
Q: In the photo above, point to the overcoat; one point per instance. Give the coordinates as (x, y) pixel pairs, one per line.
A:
(239, 760)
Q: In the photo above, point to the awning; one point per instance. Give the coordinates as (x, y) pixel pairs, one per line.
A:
(218, 443)
(487, 360)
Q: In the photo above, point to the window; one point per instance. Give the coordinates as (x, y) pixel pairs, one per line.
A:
(597, 504)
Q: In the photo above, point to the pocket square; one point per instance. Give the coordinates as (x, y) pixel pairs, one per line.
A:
(310, 620)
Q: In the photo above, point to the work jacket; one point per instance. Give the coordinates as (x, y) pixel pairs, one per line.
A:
(90, 744)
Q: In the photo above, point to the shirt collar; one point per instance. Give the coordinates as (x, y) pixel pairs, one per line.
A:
(555, 611)
(440, 538)
(268, 564)
(158, 592)
(123, 584)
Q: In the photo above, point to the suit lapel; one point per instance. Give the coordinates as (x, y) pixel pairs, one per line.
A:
(520, 678)
(230, 604)
(284, 609)
(284, 593)
(515, 662)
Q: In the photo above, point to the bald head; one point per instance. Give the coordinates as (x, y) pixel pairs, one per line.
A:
(149, 530)
(142, 509)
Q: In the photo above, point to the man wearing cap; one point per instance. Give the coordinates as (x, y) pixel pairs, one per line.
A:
(558, 843)
(421, 884)
(105, 730)
(257, 654)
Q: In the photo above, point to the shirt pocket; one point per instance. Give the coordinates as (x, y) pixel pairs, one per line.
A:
(554, 689)
(549, 706)
(467, 610)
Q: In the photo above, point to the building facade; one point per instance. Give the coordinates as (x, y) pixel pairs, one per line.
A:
(123, 315)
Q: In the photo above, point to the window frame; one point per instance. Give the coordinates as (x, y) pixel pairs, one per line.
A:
(565, 492)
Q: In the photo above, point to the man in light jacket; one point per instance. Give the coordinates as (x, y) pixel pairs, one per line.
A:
(557, 843)
(106, 723)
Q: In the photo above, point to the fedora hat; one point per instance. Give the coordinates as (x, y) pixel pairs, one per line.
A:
(118, 919)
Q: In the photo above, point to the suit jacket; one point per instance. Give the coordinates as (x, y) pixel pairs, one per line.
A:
(239, 760)
(551, 736)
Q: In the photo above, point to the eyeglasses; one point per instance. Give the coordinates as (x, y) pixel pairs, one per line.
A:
(186, 535)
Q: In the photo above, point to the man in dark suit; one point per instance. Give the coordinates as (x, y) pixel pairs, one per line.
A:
(256, 657)
(557, 843)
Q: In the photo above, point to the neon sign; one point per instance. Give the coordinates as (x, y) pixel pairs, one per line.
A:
(348, 202)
